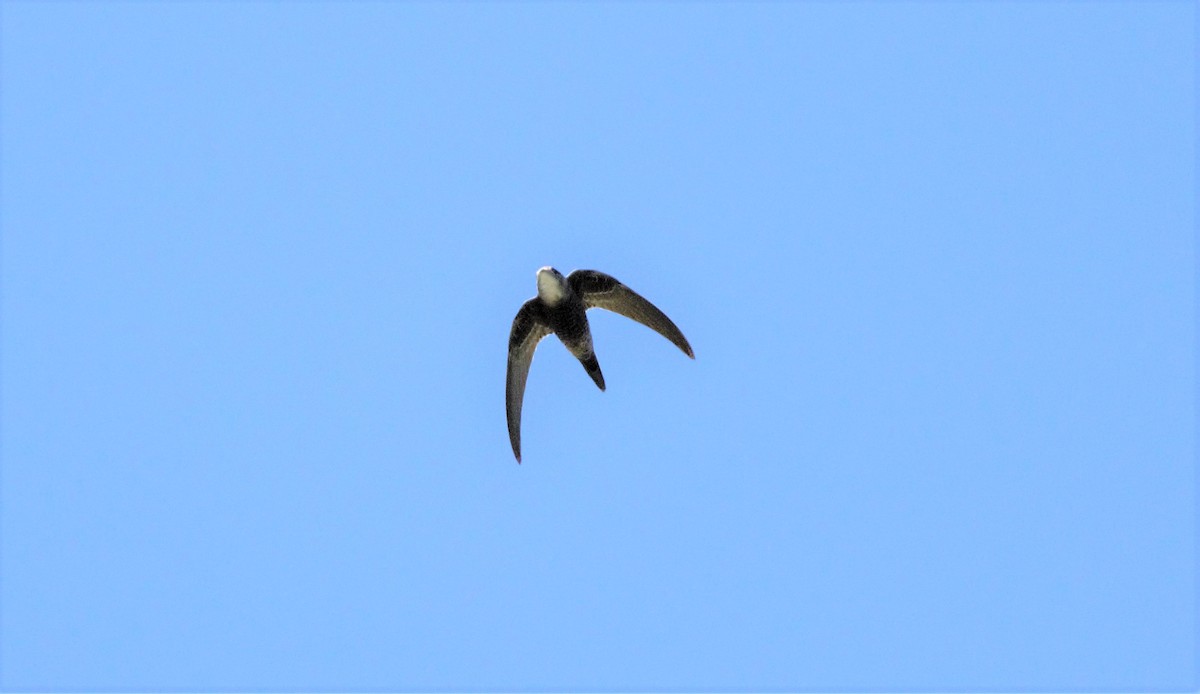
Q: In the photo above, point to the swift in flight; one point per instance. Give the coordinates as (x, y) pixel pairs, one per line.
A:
(560, 307)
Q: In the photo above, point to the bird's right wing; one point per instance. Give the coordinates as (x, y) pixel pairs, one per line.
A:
(528, 328)
(599, 290)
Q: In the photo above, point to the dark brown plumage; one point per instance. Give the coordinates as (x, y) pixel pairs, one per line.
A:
(561, 308)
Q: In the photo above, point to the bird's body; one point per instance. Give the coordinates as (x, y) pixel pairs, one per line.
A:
(561, 308)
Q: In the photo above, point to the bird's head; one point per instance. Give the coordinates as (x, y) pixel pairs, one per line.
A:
(552, 286)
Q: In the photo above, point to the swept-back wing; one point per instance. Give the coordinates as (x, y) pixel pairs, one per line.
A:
(528, 328)
(604, 291)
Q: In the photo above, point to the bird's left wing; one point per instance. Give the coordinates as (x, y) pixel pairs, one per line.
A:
(528, 328)
(603, 291)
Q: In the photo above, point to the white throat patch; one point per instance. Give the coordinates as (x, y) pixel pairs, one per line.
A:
(551, 287)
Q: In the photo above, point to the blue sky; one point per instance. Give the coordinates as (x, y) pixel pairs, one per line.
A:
(259, 263)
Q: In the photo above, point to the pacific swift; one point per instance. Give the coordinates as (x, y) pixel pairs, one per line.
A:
(560, 307)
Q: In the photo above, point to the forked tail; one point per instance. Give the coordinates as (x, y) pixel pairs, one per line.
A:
(593, 369)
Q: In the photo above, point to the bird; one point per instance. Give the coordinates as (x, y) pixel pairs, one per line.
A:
(560, 307)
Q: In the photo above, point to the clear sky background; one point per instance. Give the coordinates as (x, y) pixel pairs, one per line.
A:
(937, 262)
